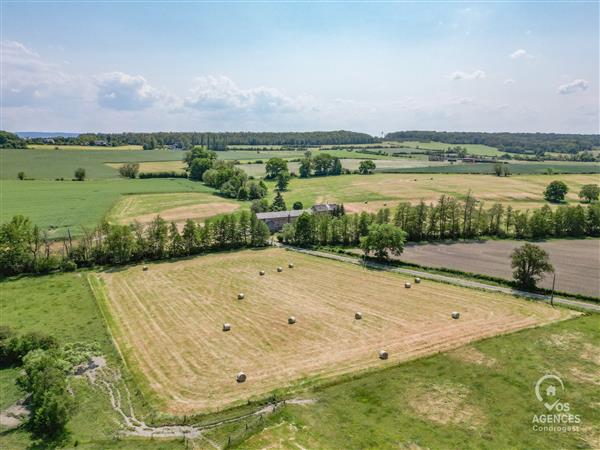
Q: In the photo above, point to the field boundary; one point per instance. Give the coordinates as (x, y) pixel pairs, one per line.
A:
(450, 280)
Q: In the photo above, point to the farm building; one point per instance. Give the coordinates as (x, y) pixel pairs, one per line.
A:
(275, 220)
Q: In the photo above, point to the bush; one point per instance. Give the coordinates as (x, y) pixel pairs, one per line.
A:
(80, 174)
(21, 175)
(129, 170)
(68, 265)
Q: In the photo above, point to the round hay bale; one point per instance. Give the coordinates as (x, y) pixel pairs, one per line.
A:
(241, 377)
(417, 280)
(291, 265)
(226, 327)
(280, 269)
(407, 285)
(358, 315)
(383, 354)
(241, 296)
(145, 268)
(262, 272)
(455, 315)
(291, 320)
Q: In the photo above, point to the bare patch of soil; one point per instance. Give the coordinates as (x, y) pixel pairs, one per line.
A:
(585, 376)
(15, 415)
(446, 404)
(566, 339)
(591, 353)
(473, 356)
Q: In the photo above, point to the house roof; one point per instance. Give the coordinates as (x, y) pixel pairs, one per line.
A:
(280, 214)
(325, 207)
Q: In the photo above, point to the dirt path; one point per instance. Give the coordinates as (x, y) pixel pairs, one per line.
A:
(451, 280)
(109, 381)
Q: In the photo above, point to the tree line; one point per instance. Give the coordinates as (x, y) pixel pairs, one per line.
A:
(216, 141)
(448, 218)
(24, 248)
(507, 142)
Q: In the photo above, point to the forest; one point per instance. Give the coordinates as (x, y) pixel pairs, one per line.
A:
(506, 142)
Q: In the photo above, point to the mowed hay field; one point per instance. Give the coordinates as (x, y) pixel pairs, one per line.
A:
(173, 207)
(167, 321)
(521, 192)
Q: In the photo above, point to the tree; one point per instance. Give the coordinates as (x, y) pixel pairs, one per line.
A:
(15, 254)
(297, 205)
(129, 170)
(305, 167)
(336, 167)
(21, 175)
(278, 203)
(260, 205)
(275, 166)
(589, 192)
(304, 230)
(530, 262)
(499, 169)
(283, 179)
(198, 167)
(366, 167)
(555, 192)
(382, 240)
(80, 174)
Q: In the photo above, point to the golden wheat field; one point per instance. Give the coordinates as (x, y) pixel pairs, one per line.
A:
(167, 322)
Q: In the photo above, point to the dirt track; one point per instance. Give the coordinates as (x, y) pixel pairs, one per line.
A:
(577, 262)
(181, 306)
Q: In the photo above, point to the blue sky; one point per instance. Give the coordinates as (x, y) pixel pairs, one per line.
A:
(373, 67)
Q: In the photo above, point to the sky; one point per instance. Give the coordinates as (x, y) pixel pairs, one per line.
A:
(373, 67)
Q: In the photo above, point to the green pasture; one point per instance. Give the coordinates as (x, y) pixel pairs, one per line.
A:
(61, 205)
(83, 147)
(516, 168)
(472, 149)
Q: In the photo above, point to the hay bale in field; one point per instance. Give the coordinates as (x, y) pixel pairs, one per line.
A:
(417, 280)
(226, 327)
(407, 285)
(291, 265)
(241, 377)
(145, 268)
(383, 354)
(262, 272)
(241, 296)
(358, 315)
(455, 315)
(280, 269)
(291, 320)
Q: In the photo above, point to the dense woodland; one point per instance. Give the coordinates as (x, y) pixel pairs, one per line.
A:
(507, 142)
(10, 140)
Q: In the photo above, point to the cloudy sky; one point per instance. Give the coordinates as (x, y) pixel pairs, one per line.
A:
(373, 67)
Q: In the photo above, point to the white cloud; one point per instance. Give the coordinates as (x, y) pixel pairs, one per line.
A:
(124, 92)
(520, 54)
(220, 93)
(573, 86)
(509, 81)
(29, 80)
(476, 75)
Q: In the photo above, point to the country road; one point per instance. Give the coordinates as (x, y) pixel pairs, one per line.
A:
(447, 279)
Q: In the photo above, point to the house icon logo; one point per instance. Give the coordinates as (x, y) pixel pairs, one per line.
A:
(549, 384)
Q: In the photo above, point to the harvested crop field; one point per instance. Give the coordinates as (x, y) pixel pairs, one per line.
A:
(173, 207)
(168, 320)
(577, 262)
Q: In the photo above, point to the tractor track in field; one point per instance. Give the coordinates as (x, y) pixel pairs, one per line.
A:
(447, 279)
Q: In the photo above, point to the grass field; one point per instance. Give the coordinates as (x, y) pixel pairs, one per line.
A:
(516, 168)
(173, 207)
(58, 205)
(354, 190)
(167, 321)
(52, 164)
(82, 147)
(479, 396)
(472, 149)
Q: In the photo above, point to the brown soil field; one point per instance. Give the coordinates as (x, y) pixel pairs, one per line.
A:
(577, 262)
(167, 322)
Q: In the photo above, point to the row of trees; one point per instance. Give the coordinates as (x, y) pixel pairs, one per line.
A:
(507, 142)
(449, 218)
(217, 141)
(23, 248)
(319, 165)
